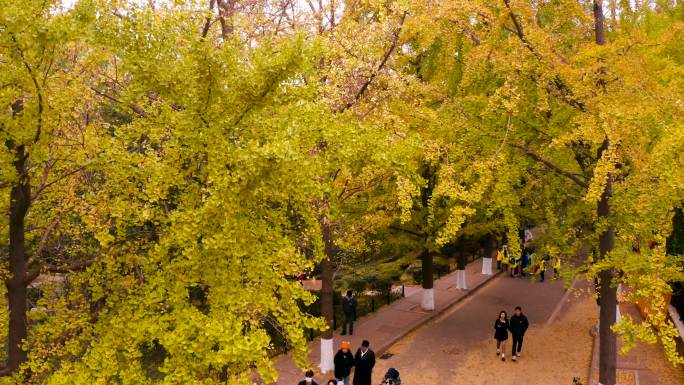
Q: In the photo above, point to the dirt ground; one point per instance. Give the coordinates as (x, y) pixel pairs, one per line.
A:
(552, 354)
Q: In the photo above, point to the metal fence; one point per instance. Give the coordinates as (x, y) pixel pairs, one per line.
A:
(368, 301)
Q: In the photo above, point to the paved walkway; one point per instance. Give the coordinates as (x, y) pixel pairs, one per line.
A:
(389, 324)
(458, 346)
(644, 365)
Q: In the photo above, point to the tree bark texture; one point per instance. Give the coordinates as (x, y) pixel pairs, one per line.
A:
(427, 269)
(607, 292)
(20, 201)
(327, 310)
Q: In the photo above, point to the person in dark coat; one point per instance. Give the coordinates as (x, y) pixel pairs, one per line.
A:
(501, 326)
(308, 378)
(344, 362)
(349, 312)
(518, 327)
(364, 360)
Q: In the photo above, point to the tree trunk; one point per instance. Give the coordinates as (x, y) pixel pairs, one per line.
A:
(327, 309)
(427, 269)
(490, 246)
(599, 29)
(20, 200)
(489, 254)
(461, 261)
(607, 292)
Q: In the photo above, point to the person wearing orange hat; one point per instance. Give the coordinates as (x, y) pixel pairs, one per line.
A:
(344, 362)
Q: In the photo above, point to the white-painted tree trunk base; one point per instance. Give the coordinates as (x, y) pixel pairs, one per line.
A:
(618, 316)
(487, 266)
(428, 302)
(674, 314)
(327, 359)
(461, 280)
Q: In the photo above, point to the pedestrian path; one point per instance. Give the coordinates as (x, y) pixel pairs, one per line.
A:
(458, 347)
(644, 365)
(392, 322)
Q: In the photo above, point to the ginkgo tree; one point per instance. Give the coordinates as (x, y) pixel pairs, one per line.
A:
(593, 106)
(200, 210)
(47, 124)
(361, 40)
(224, 163)
(170, 166)
(446, 179)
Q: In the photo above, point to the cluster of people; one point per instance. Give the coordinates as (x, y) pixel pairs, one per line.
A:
(517, 326)
(526, 263)
(362, 362)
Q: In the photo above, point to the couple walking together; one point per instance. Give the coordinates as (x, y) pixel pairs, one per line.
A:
(363, 361)
(517, 326)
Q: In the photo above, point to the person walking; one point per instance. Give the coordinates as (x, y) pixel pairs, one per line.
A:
(308, 378)
(505, 259)
(344, 362)
(556, 268)
(334, 381)
(542, 268)
(501, 326)
(518, 327)
(499, 259)
(364, 360)
(349, 313)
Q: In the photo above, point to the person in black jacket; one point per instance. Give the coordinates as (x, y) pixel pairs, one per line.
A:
(364, 361)
(501, 334)
(518, 326)
(344, 362)
(349, 312)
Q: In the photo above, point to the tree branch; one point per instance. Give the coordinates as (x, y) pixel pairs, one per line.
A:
(383, 61)
(42, 243)
(43, 180)
(32, 274)
(519, 31)
(208, 22)
(414, 233)
(468, 31)
(34, 79)
(226, 9)
(134, 107)
(43, 186)
(559, 85)
(346, 194)
(550, 165)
